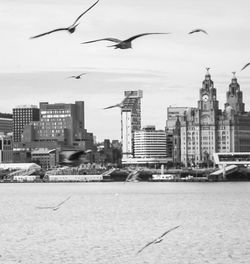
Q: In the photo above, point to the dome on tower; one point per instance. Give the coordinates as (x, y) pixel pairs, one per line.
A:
(208, 73)
(207, 83)
(234, 79)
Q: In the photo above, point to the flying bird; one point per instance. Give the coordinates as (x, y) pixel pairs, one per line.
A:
(245, 66)
(121, 104)
(77, 76)
(71, 29)
(54, 208)
(157, 240)
(198, 30)
(122, 44)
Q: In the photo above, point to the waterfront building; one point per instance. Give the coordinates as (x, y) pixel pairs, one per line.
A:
(173, 113)
(6, 148)
(150, 143)
(176, 146)
(61, 126)
(63, 123)
(130, 121)
(207, 129)
(22, 116)
(21, 155)
(149, 147)
(46, 158)
(6, 123)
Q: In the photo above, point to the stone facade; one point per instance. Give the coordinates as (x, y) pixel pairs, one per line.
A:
(207, 129)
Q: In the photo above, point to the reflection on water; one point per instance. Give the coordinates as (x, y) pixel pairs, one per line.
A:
(109, 222)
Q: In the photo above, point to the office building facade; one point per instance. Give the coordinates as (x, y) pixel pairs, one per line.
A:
(6, 148)
(23, 115)
(150, 143)
(6, 123)
(130, 121)
(60, 122)
(46, 158)
(173, 114)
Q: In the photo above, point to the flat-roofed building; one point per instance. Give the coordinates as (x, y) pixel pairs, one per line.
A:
(6, 123)
(6, 148)
(46, 158)
(63, 123)
(174, 113)
(23, 115)
(150, 143)
(149, 148)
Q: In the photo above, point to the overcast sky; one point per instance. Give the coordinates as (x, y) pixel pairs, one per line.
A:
(168, 68)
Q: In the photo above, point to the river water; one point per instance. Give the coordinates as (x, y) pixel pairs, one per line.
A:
(108, 223)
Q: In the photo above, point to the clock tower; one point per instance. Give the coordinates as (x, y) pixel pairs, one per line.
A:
(208, 104)
(235, 97)
(206, 129)
(208, 108)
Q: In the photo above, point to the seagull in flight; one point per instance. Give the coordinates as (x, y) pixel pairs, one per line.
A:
(122, 44)
(71, 29)
(77, 76)
(54, 208)
(198, 30)
(245, 66)
(157, 240)
(121, 104)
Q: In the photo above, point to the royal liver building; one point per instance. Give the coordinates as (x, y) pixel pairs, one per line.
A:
(204, 130)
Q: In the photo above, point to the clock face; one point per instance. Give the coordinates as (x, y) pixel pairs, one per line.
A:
(205, 97)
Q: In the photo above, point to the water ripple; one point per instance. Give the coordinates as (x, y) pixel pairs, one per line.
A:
(96, 226)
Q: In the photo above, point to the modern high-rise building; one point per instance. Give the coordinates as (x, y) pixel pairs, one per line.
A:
(207, 129)
(130, 121)
(6, 123)
(61, 122)
(22, 116)
(149, 148)
(150, 143)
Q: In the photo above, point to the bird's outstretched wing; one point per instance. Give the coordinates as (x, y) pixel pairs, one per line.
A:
(45, 207)
(143, 34)
(84, 13)
(197, 30)
(122, 102)
(112, 106)
(148, 244)
(245, 66)
(54, 207)
(158, 239)
(108, 39)
(46, 33)
(61, 203)
(168, 231)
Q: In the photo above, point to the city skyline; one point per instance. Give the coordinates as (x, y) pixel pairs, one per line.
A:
(168, 68)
